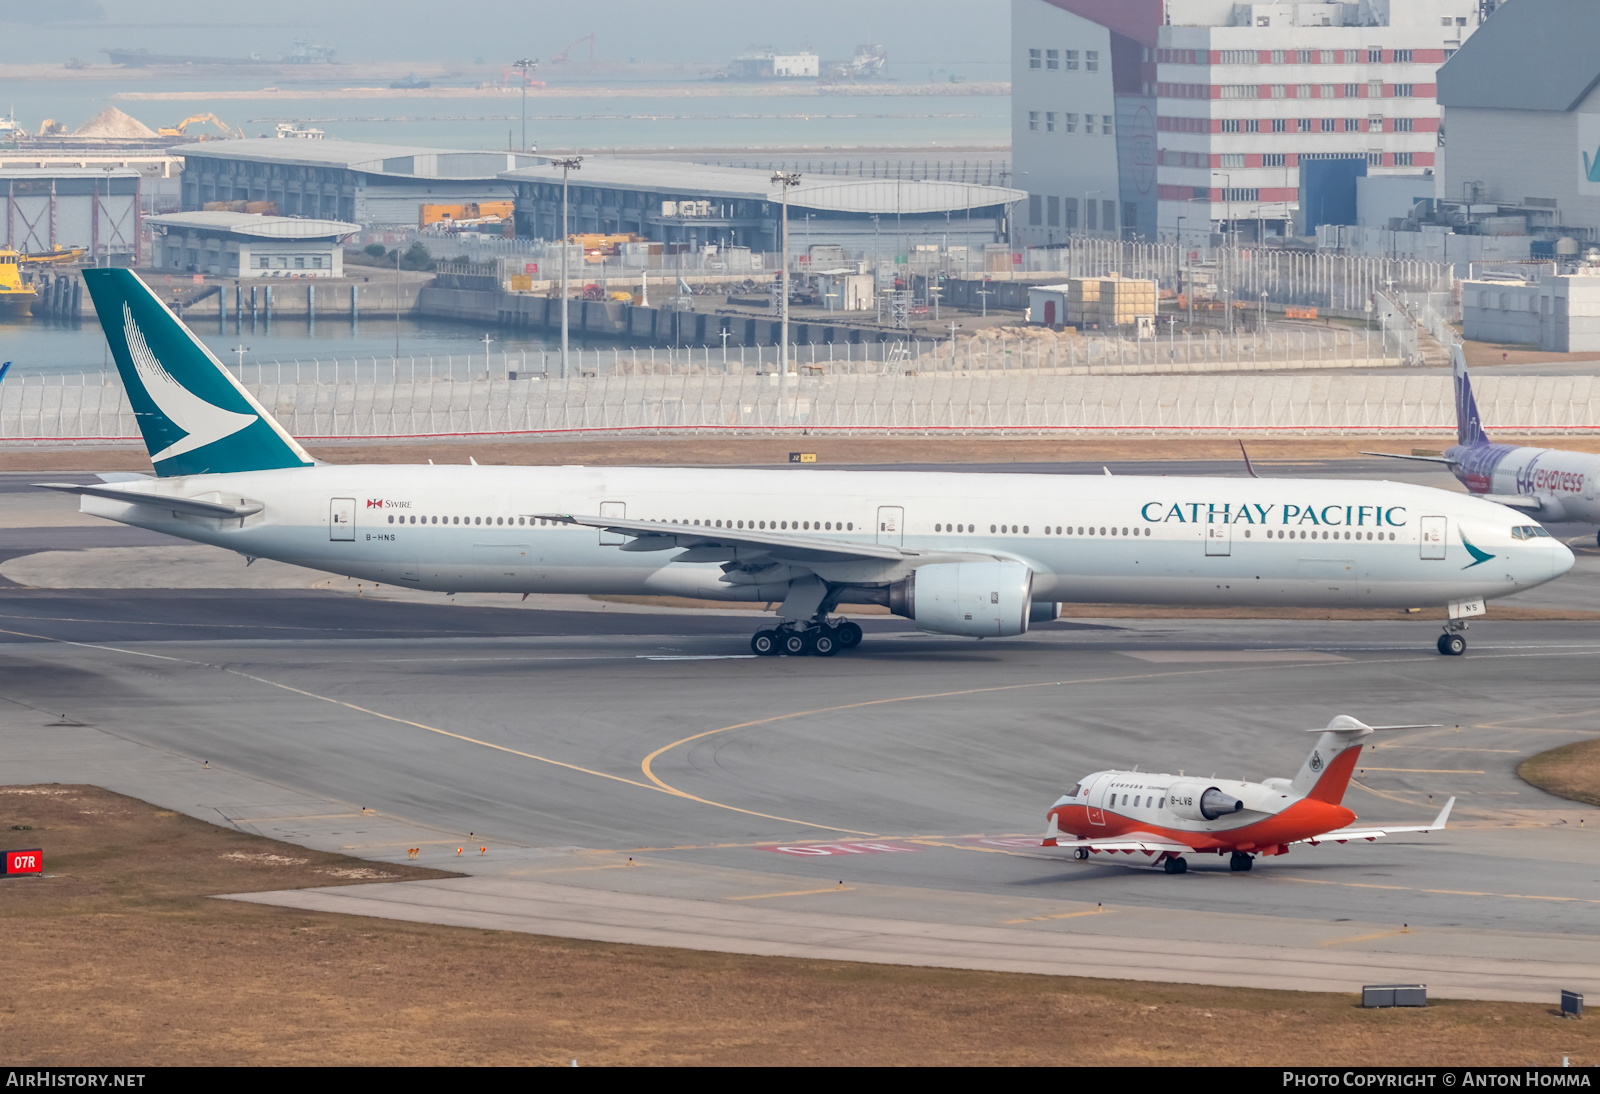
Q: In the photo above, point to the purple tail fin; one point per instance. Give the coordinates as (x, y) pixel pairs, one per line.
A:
(1469, 429)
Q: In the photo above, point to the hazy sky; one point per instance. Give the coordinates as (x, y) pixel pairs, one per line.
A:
(924, 32)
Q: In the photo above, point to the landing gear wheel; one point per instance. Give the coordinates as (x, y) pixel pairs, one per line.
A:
(1452, 645)
(794, 644)
(1239, 861)
(1176, 865)
(849, 635)
(765, 644)
(824, 644)
(1080, 853)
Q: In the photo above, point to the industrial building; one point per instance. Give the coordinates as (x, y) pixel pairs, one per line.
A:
(368, 184)
(1523, 114)
(248, 245)
(1556, 312)
(96, 208)
(698, 204)
(1144, 118)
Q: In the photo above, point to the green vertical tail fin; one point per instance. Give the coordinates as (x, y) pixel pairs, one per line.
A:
(194, 416)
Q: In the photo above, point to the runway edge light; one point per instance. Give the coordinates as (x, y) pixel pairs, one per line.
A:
(27, 861)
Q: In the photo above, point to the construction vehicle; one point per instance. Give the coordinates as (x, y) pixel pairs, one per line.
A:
(467, 214)
(598, 245)
(180, 130)
(561, 57)
(265, 208)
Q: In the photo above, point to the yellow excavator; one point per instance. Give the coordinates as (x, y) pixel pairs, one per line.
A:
(181, 128)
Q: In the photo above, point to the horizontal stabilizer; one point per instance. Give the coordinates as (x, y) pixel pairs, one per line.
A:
(1419, 459)
(196, 507)
(1345, 835)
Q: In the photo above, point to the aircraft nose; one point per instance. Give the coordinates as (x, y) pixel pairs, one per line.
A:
(1561, 559)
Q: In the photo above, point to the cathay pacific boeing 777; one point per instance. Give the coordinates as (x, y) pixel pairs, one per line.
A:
(980, 555)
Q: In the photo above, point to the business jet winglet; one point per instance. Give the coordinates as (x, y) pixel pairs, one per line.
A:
(1164, 817)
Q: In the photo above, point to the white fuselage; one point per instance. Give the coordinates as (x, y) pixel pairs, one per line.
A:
(1126, 539)
(1564, 481)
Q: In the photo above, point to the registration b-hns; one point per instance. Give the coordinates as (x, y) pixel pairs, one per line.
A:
(1157, 819)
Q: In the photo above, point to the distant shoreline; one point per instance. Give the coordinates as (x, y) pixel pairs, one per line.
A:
(700, 90)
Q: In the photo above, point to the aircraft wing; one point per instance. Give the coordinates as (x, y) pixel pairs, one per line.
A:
(1515, 501)
(1345, 835)
(198, 507)
(1419, 459)
(715, 544)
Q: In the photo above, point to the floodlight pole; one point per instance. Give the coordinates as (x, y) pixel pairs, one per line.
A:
(784, 179)
(526, 65)
(571, 163)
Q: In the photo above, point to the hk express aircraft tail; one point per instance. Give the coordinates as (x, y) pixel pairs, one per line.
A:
(194, 416)
(1469, 427)
(1326, 773)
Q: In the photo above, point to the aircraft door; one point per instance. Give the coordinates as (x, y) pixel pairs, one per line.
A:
(612, 509)
(1434, 533)
(891, 524)
(1219, 539)
(1097, 800)
(342, 519)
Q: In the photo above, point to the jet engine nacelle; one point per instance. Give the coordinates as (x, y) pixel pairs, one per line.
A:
(1198, 802)
(975, 599)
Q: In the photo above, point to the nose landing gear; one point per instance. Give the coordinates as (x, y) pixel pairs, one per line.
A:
(820, 637)
(1452, 643)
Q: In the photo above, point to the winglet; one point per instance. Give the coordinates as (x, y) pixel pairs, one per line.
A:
(5, 367)
(1247, 466)
(1053, 833)
(1443, 817)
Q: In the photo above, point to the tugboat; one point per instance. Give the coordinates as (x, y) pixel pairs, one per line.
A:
(16, 298)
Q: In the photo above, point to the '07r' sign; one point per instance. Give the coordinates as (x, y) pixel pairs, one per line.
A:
(24, 862)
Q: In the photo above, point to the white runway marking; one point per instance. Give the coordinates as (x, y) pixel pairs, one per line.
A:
(695, 656)
(1179, 657)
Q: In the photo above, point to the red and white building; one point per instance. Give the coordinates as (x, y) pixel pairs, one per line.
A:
(1215, 105)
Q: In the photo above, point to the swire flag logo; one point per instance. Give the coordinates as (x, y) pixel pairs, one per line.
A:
(374, 503)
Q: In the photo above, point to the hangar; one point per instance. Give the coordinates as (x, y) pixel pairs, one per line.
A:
(696, 204)
(96, 208)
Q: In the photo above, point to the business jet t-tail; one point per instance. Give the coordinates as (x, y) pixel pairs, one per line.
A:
(1164, 817)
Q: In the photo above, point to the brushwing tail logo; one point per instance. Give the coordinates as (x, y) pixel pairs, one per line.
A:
(202, 422)
(1479, 556)
(1591, 168)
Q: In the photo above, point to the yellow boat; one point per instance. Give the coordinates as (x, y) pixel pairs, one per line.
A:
(16, 299)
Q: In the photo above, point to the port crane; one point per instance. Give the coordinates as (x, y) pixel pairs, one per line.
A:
(561, 57)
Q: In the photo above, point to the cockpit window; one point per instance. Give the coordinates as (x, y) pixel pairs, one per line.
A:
(1076, 790)
(1529, 531)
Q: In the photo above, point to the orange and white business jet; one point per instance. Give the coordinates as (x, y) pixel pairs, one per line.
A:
(1165, 817)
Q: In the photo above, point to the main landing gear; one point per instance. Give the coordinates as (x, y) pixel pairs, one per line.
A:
(1452, 643)
(1176, 864)
(1240, 860)
(821, 637)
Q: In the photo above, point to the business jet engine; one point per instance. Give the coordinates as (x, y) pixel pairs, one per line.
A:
(974, 599)
(1196, 801)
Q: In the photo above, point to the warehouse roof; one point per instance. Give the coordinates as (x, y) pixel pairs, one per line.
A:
(837, 193)
(67, 173)
(1529, 55)
(255, 225)
(376, 159)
